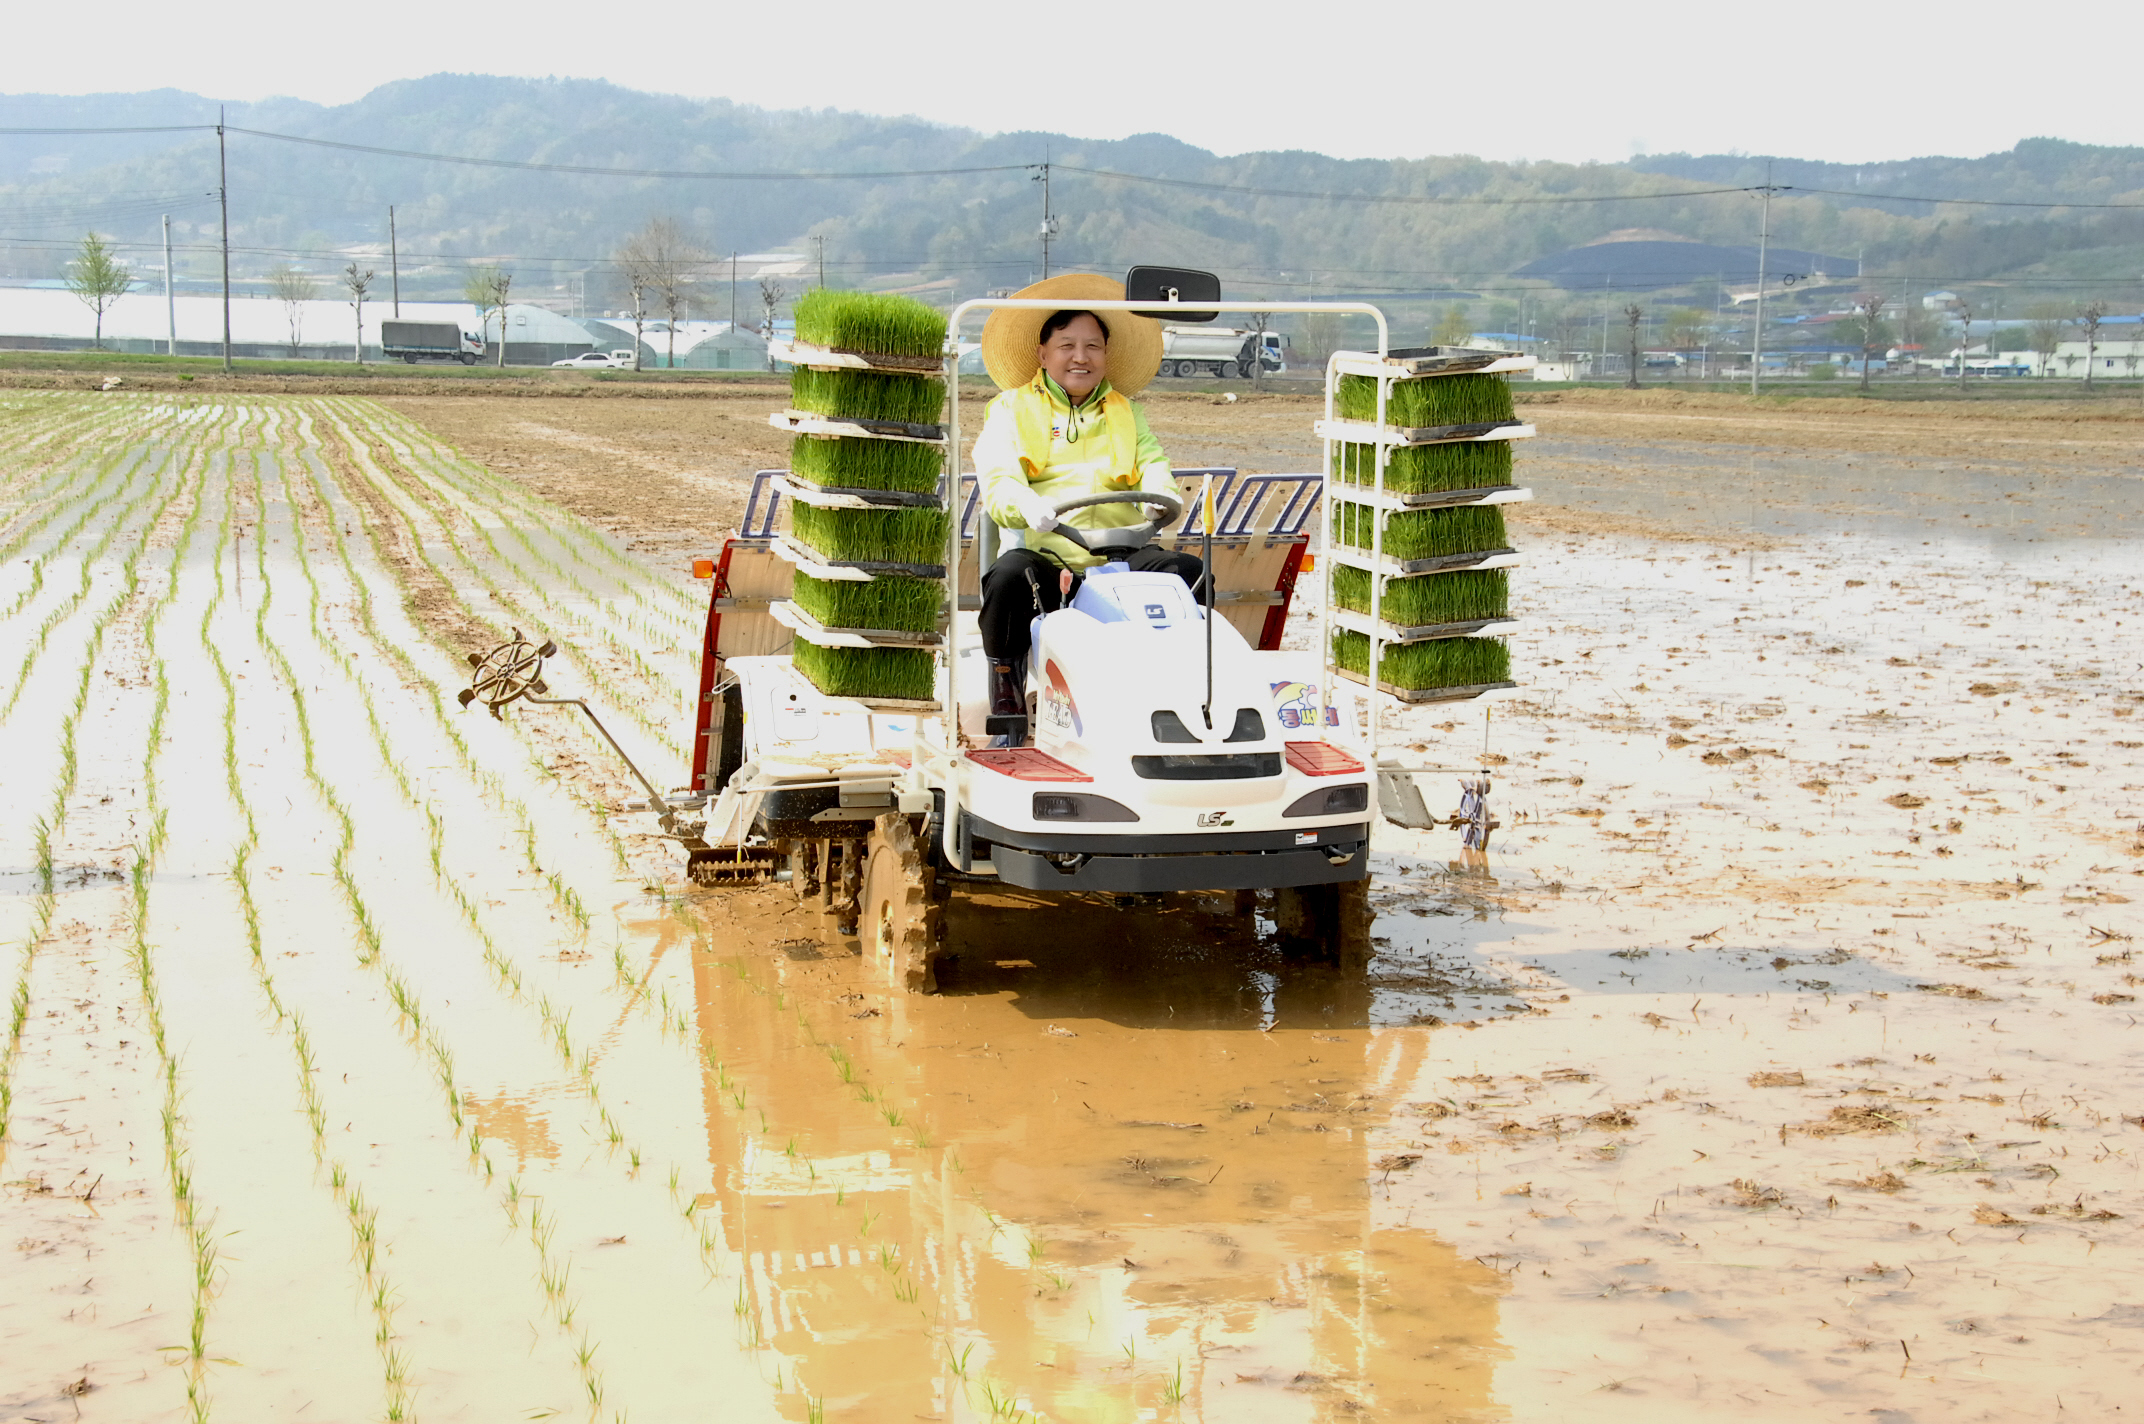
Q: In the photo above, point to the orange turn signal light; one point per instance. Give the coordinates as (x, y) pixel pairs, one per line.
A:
(703, 568)
(1310, 563)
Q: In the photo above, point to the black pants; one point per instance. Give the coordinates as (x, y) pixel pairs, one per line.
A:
(1009, 601)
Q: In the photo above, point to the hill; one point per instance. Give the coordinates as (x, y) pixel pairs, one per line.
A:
(1440, 222)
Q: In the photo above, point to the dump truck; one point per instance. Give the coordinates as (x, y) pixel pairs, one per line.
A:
(1218, 351)
(416, 341)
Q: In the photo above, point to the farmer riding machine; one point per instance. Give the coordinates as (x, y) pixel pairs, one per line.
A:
(845, 740)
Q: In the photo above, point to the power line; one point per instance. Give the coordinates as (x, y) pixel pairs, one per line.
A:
(1246, 190)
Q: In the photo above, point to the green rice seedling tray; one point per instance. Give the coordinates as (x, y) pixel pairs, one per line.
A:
(1423, 469)
(1415, 361)
(1465, 399)
(1400, 501)
(1462, 597)
(884, 679)
(826, 358)
(867, 464)
(803, 422)
(856, 496)
(868, 397)
(1442, 564)
(907, 607)
(816, 565)
(811, 630)
(1393, 633)
(877, 324)
(1447, 670)
(1414, 696)
(1364, 432)
(1417, 533)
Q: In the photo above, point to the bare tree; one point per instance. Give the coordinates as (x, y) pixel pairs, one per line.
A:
(357, 281)
(1965, 340)
(485, 288)
(293, 289)
(99, 278)
(771, 293)
(1452, 328)
(2088, 318)
(672, 261)
(634, 265)
(1259, 322)
(1868, 317)
(2043, 329)
(1633, 314)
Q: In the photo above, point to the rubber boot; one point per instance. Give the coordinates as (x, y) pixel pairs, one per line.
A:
(1008, 706)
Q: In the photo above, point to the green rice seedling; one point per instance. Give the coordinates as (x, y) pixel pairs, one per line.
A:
(870, 1217)
(924, 1139)
(1424, 533)
(907, 1291)
(1427, 400)
(1175, 1390)
(879, 673)
(1428, 599)
(844, 462)
(910, 605)
(892, 1116)
(874, 323)
(1422, 469)
(868, 395)
(901, 536)
(957, 1361)
(1447, 662)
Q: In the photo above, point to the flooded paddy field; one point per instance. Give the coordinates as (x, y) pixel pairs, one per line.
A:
(1778, 1056)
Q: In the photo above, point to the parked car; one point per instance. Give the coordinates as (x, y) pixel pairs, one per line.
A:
(593, 361)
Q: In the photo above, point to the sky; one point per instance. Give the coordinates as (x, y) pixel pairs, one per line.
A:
(1370, 79)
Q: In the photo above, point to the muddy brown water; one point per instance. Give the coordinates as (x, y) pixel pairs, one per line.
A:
(1774, 1059)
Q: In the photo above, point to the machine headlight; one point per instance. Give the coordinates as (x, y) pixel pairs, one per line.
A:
(1332, 801)
(1078, 806)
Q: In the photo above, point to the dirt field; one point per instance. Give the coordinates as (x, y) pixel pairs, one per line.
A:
(1777, 1058)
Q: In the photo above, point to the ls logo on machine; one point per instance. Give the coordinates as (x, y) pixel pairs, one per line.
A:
(1156, 613)
(1208, 819)
(1058, 708)
(1292, 705)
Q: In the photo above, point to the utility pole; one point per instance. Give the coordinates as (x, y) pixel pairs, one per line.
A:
(394, 261)
(171, 310)
(223, 203)
(1965, 340)
(1764, 243)
(1049, 219)
(733, 291)
(821, 241)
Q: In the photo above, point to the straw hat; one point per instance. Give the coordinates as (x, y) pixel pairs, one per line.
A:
(1011, 337)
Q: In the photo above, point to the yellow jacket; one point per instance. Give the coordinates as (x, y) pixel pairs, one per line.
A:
(1034, 437)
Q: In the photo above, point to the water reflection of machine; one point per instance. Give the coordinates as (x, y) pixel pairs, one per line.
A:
(1073, 1198)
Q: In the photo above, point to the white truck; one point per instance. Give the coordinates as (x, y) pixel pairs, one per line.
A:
(1219, 351)
(416, 341)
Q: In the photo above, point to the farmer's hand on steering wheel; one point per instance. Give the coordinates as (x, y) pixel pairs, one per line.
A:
(1126, 537)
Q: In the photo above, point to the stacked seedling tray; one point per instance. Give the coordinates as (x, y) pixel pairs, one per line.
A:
(867, 521)
(1415, 525)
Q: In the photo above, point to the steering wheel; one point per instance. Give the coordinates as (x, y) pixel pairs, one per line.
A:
(1123, 538)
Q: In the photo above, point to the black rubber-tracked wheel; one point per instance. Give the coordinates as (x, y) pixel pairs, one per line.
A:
(901, 920)
(1329, 921)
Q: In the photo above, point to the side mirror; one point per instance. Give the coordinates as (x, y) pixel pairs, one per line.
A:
(1172, 285)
